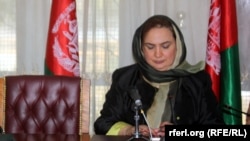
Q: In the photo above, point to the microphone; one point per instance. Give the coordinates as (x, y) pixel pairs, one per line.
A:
(134, 94)
(236, 110)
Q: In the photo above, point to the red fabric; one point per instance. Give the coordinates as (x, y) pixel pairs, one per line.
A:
(229, 33)
(222, 34)
(62, 57)
(213, 64)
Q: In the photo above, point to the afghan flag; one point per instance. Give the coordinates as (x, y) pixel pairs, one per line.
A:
(62, 56)
(222, 58)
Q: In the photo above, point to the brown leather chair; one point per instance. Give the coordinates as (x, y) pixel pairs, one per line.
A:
(44, 104)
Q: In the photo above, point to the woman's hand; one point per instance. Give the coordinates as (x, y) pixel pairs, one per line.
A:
(144, 130)
(160, 132)
(130, 130)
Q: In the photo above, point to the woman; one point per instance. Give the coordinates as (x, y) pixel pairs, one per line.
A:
(171, 90)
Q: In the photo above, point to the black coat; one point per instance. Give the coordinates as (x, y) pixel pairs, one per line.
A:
(194, 103)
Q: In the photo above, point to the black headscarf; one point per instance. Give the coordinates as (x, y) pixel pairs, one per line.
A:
(181, 69)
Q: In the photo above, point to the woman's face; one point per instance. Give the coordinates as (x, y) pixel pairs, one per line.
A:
(159, 48)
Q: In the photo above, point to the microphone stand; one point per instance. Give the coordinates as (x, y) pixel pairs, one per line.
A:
(137, 134)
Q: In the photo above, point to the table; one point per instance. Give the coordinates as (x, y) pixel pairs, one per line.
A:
(108, 138)
(45, 137)
(113, 138)
(63, 137)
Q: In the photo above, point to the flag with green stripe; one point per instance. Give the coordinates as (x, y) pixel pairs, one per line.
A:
(222, 59)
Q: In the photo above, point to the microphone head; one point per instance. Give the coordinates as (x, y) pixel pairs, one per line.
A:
(134, 94)
(138, 103)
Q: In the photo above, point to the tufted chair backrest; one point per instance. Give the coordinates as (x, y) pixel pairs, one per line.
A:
(45, 104)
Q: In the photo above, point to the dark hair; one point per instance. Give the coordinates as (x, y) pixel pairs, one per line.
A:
(156, 21)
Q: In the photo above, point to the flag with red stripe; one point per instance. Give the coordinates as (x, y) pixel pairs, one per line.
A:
(62, 53)
(222, 58)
